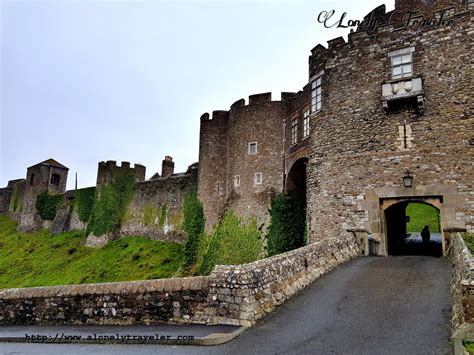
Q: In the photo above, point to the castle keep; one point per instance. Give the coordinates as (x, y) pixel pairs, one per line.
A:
(395, 97)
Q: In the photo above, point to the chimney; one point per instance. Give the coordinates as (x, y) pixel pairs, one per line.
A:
(167, 166)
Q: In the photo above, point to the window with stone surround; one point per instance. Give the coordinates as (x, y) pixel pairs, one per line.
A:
(237, 181)
(253, 148)
(258, 179)
(55, 178)
(306, 124)
(294, 131)
(316, 95)
(32, 179)
(402, 63)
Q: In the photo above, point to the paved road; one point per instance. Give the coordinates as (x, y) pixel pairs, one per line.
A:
(395, 305)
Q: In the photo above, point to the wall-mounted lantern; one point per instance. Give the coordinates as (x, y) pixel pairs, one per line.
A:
(408, 179)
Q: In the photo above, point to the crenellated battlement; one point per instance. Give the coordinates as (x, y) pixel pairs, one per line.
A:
(108, 170)
(418, 17)
(253, 100)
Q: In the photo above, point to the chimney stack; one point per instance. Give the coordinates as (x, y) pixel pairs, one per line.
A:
(167, 166)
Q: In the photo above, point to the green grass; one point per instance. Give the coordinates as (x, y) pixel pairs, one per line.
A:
(421, 215)
(469, 347)
(42, 259)
(469, 239)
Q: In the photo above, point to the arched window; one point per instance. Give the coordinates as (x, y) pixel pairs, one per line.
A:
(55, 178)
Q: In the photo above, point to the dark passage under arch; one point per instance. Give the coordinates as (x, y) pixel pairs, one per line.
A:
(405, 222)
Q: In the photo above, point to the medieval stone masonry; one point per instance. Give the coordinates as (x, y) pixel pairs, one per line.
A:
(396, 97)
(388, 100)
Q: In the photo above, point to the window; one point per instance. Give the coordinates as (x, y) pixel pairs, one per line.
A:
(402, 66)
(236, 180)
(316, 95)
(32, 179)
(306, 124)
(55, 179)
(258, 179)
(253, 148)
(294, 131)
(220, 188)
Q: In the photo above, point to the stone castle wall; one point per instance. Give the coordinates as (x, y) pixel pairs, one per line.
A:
(227, 178)
(38, 180)
(462, 284)
(156, 210)
(356, 147)
(230, 295)
(107, 171)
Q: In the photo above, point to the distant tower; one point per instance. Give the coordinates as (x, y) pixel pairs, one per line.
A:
(48, 175)
(109, 170)
(167, 166)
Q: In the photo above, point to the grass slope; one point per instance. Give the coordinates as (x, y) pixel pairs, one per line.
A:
(421, 215)
(42, 259)
(469, 239)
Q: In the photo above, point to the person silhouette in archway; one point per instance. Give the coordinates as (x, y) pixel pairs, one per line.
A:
(425, 236)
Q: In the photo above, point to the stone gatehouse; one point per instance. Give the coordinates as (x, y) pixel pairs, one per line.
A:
(391, 99)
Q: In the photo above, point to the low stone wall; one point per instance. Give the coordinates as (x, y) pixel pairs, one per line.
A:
(243, 294)
(237, 295)
(180, 300)
(462, 284)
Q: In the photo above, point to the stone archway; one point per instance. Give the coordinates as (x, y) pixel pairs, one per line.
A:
(295, 182)
(400, 240)
(396, 239)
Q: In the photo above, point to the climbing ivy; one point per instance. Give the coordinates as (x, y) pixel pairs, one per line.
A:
(193, 226)
(14, 203)
(164, 211)
(232, 242)
(110, 205)
(287, 230)
(84, 202)
(47, 205)
(150, 215)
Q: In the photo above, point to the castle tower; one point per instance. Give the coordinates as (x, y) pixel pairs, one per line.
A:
(107, 171)
(167, 166)
(48, 175)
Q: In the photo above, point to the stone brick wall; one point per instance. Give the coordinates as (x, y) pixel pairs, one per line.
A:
(230, 295)
(156, 210)
(243, 294)
(462, 284)
(355, 143)
(137, 302)
(108, 170)
(261, 121)
(212, 163)
(224, 156)
(38, 180)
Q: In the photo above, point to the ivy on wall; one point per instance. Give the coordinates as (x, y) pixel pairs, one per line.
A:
(164, 212)
(150, 215)
(15, 201)
(110, 205)
(193, 226)
(84, 202)
(233, 242)
(47, 205)
(287, 230)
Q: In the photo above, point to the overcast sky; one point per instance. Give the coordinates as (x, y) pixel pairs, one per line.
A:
(86, 81)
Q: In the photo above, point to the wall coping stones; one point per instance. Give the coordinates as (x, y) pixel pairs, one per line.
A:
(116, 288)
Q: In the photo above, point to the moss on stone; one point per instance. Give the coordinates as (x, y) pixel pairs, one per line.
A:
(47, 205)
(111, 204)
(150, 215)
(84, 203)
